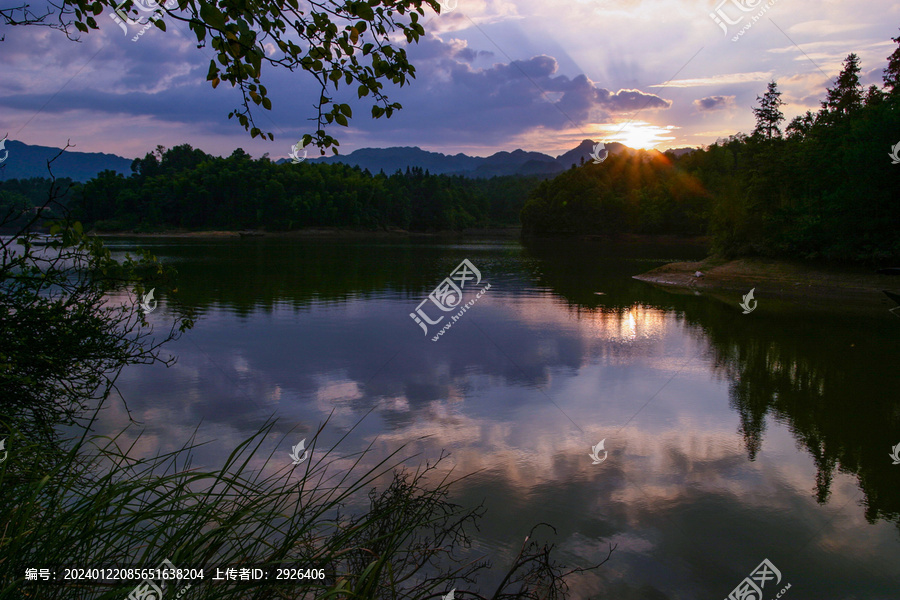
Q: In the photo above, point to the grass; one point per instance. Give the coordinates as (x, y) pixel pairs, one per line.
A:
(86, 503)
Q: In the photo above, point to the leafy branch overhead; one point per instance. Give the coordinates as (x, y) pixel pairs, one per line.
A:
(353, 43)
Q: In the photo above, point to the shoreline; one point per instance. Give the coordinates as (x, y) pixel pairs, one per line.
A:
(836, 288)
(312, 232)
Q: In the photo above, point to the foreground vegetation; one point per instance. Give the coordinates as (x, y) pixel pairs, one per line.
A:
(826, 188)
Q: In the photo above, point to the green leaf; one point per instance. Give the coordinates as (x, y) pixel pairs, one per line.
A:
(365, 11)
(212, 16)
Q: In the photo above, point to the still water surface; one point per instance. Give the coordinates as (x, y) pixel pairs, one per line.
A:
(731, 438)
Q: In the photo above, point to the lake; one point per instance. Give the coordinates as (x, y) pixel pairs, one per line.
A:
(728, 438)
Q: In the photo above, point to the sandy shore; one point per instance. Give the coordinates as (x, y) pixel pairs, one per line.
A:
(826, 287)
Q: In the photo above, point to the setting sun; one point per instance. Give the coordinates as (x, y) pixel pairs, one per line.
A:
(639, 135)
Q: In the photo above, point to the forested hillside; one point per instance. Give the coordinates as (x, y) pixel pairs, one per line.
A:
(186, 188)
(826, 187)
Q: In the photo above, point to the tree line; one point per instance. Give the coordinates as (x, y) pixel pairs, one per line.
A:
(183, 187)
(824, 188)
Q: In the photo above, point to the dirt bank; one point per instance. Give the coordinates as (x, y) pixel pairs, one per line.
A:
(836, 288)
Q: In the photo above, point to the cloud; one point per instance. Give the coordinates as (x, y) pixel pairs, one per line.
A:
(459, 98)
(711, 103)
(729, 78)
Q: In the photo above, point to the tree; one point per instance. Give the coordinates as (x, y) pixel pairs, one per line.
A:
(353, 42)
(768, 115)
(892, 72)
(64, 342)
(847, 95)
(800, 126)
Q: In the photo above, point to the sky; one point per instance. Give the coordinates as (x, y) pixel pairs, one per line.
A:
(490, 76)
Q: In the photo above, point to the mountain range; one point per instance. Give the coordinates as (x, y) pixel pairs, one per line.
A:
(24, 161)
(517, 162)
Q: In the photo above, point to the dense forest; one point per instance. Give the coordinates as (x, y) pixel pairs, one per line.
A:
(186, 188)
(20, 199)
(825, 188)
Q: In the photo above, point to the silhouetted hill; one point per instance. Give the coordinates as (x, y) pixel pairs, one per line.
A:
(681, 151)
(517, 162)
(25, 161)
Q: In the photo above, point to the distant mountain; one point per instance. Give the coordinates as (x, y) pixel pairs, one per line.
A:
(24, 161)
(517, 162)
(681, 151)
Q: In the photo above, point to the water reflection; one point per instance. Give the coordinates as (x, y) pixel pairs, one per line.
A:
(730, 439)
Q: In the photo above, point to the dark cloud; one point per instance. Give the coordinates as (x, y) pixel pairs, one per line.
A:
(457, 100)
(458, 96)
(711, 103)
